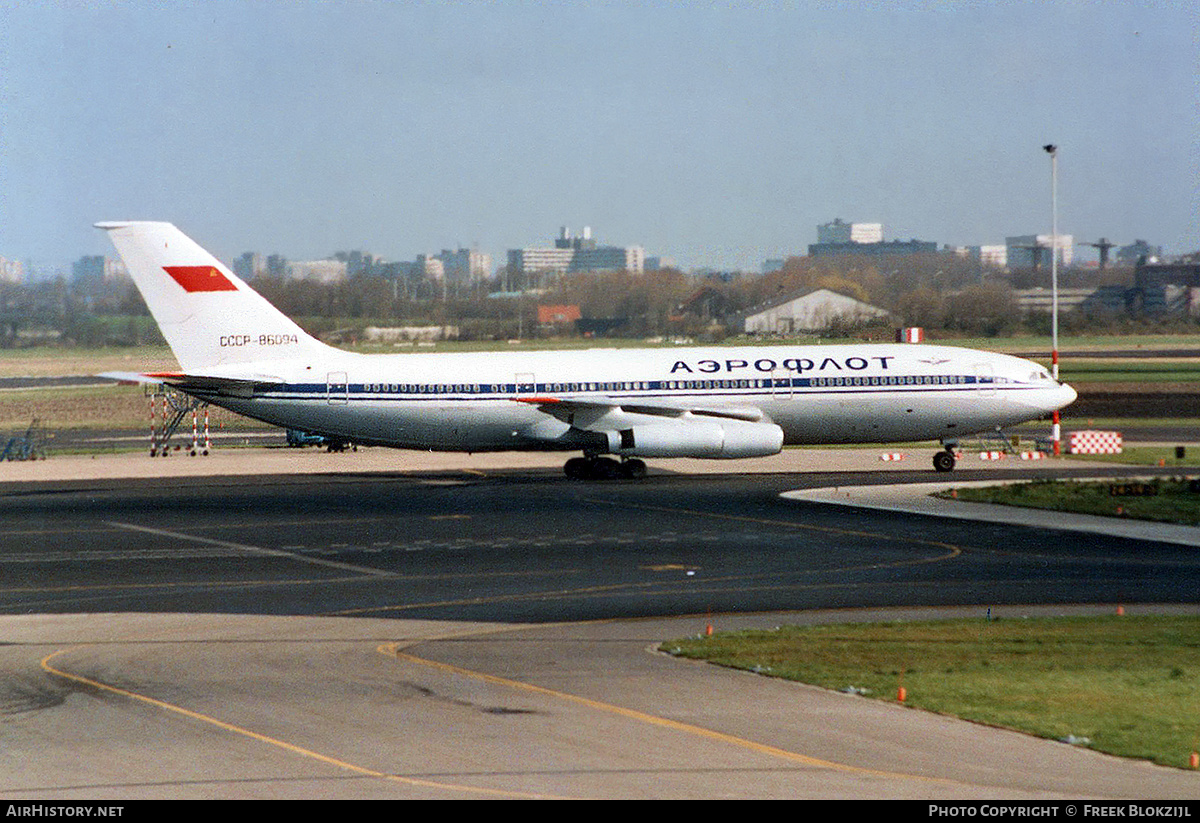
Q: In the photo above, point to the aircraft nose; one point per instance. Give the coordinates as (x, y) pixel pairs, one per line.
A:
(1068, 395)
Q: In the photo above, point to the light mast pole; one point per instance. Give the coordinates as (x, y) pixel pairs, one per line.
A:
(1052, 150)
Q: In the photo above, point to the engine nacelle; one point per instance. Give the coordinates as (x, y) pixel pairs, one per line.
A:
(716, 439)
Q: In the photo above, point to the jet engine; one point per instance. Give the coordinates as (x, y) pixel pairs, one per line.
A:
(716, 439)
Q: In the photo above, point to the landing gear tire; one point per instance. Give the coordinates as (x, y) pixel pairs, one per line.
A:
(634, 469)
(603, 468)
(577, 468)
(943, 461)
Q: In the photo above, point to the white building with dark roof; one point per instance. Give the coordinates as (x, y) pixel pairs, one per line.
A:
(809, 311)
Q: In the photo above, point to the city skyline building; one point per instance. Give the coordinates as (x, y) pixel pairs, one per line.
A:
(839, 239)
(465, 265)
(320, 271)
(576, 254)
(840, 231)
(1032, 251)
(96, 268)
(992, 256)
(250, 265)
(582, 252)
(877, 249)
(12, 271)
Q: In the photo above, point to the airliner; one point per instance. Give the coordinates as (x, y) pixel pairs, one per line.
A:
(615, 406)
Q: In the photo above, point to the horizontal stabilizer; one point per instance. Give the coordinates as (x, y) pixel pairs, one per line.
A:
(198, 383)
(131, 377)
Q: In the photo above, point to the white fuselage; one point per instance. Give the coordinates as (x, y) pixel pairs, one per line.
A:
(501, 400)
(237, 350)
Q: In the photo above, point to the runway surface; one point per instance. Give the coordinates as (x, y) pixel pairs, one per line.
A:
(456, 633)
(533, 546)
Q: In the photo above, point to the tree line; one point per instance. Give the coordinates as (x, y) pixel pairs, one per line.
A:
(945, 294)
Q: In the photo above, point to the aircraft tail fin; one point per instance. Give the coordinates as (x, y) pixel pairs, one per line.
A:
(207, 314)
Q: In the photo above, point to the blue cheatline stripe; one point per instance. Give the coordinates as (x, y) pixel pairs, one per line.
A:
(634, 390)
(639, 385)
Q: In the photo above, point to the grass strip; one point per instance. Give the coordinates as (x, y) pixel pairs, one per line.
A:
(1125, 685)
(1163, 456)
(1165, 500)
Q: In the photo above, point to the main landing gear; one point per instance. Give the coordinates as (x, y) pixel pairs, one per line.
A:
(944, 460)
(604, 468)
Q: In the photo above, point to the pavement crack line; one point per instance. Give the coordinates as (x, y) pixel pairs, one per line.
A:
(395, 651)
(950, 550)
(258, 550)
(272, 741)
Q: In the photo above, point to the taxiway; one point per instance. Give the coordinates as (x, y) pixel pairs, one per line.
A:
(487, 630)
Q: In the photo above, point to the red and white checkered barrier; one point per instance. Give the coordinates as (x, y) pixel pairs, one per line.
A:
(889, 457)
(1094, 442)
(992, 455)
(1033, 455)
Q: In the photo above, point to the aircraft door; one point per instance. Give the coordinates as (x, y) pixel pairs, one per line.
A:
(525, 383)
(337, 388)
(781, 382)
(985, 379)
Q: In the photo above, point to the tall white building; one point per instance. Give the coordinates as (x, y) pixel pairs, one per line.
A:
(1033, 250)
(430, 268)
(250, 265)
(465, 265)
(994, 256)
(571, 254)
(841, 232)
(610, 258)
(11, 271)
(533, 259)
(322, 271)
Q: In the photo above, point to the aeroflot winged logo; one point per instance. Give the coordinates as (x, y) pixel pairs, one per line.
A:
(200, 278)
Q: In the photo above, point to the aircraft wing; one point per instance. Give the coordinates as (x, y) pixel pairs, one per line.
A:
(647, 427)
(589, 413)
(201, 383)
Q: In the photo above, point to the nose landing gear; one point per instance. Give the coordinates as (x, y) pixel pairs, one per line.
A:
(944, 460)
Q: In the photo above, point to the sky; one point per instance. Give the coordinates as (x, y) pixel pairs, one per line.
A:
(718, 134)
